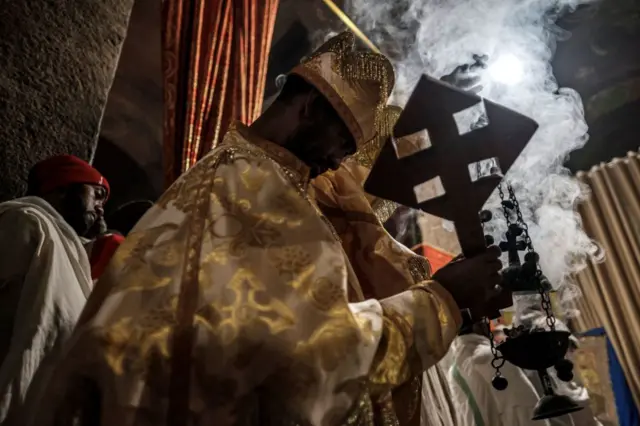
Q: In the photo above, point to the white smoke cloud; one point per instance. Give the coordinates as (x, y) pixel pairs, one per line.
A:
(435, 36)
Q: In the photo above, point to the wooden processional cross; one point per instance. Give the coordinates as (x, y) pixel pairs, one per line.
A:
(437, 107)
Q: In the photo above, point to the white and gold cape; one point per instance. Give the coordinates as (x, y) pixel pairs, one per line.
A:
(233, 302)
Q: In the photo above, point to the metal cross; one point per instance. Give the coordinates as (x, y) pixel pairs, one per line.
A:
(432, 107)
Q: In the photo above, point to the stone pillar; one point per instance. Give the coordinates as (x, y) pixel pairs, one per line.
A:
(57, 61)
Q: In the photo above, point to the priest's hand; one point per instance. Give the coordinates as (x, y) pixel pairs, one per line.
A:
(467, 76)
(474, 283)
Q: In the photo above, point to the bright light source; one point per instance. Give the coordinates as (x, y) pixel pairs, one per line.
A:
(507, 69)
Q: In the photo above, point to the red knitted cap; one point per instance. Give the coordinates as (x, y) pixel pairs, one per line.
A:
(63, 170)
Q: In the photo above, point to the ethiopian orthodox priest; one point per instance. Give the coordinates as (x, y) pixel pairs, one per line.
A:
(232, 302)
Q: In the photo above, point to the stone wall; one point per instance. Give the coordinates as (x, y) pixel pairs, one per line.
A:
(57, 61)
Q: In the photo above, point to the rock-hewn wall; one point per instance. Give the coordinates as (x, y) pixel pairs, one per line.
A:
(57, 61)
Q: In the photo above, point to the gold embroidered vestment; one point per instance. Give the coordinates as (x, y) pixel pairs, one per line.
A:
(282, 332)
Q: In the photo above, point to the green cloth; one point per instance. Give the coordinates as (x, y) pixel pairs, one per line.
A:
(467, 391)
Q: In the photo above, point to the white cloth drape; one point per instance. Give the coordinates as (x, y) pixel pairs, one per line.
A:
(44, 267)
(438, 408)
(513, 406)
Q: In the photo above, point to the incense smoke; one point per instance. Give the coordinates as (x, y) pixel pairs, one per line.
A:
(519, 37)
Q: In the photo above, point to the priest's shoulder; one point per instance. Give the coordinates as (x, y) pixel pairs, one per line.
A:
(18, 223)
(227, 153)
(233, 148)
(18, 212)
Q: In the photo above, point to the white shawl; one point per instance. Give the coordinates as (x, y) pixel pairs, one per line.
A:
(43, 256)
(477, 402)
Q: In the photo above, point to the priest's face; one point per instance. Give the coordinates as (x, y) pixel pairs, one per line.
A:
(83, 207)
(321, 139)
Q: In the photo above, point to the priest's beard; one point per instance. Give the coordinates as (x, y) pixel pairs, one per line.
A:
(99, 228)
(76, 213)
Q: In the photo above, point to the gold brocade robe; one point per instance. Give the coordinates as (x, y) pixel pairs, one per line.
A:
(384, 267)
(275, 338)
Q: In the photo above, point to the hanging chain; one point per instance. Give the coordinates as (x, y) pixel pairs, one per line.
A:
(498, 360)
(519, 219)
(545, 298)
(546, 305)
(505, 210)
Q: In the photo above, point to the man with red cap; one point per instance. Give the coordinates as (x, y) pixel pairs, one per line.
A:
(45, 274)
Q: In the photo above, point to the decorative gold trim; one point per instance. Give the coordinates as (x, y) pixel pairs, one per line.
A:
(279, 154)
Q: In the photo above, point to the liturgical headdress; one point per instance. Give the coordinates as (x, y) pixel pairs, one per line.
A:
(368, 153)
(356, 83)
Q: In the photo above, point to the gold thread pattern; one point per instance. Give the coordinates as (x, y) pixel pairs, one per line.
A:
(356, 83)
(277, 290)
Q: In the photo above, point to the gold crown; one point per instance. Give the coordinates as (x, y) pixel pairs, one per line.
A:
(356, 83)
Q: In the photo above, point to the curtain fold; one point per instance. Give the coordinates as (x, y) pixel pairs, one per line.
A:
(215, 56)
(612, 289)
(588, 317)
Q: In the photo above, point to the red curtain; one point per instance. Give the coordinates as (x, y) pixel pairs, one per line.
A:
(215, 55)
